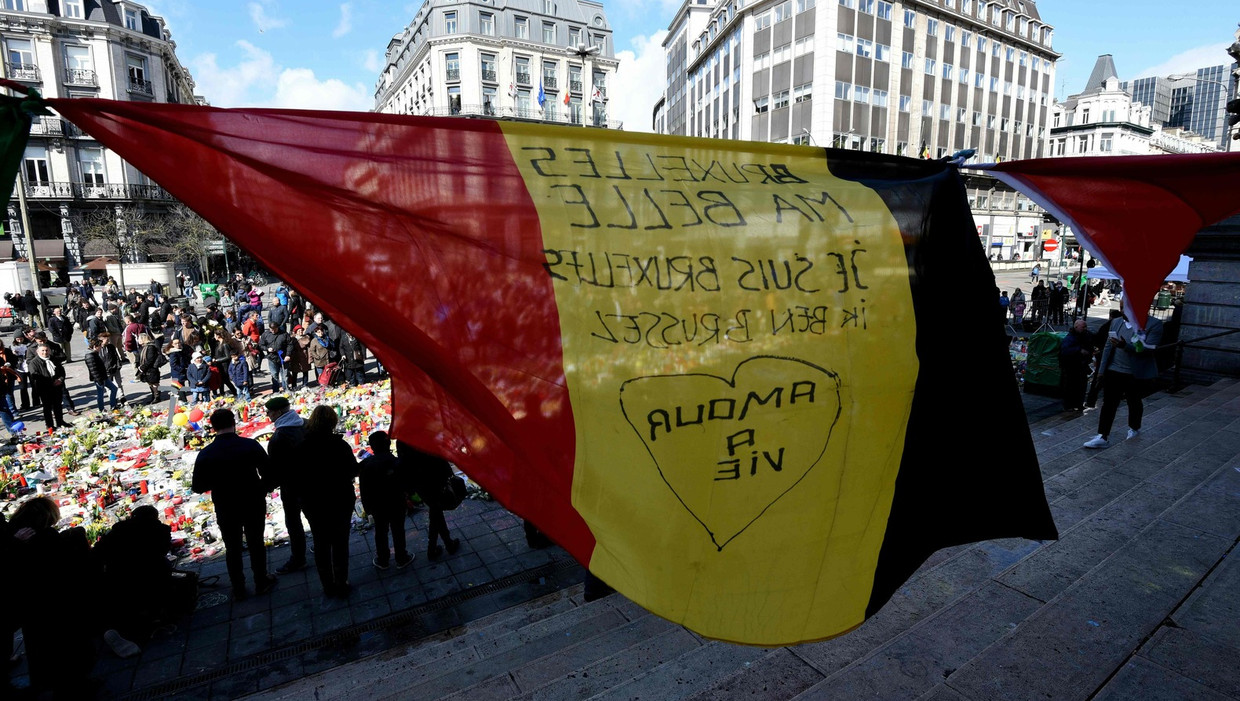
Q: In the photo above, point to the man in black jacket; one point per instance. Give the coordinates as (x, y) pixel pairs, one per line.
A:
(62, 332)
(384, 486)
(48, 377)
(282, 449)
(234, 470)
(273, 344)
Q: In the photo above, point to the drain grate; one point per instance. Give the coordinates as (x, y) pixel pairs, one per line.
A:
(347, 635)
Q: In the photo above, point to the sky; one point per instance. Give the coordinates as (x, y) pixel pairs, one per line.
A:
(326, 54)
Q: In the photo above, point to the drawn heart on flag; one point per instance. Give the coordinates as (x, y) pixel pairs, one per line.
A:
(730, 448)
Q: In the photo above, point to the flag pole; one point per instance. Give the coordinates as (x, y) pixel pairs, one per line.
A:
(25, 217)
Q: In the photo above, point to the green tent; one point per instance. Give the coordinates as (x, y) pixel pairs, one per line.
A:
(1042, 365)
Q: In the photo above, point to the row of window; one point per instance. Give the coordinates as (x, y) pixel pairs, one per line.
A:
(521, 74)
(89, 163)
(520, 28)
(1082, 144)
(79, 68)
(997, 15)
(870, 7)
(780, 98)
(866, 95)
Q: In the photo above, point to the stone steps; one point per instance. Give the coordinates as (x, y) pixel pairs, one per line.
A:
(1112, 607)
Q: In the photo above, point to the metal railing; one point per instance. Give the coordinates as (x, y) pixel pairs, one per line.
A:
(25, 72)
(574, 85)
(533, 112)
(523, 78)
(488, 74)
(91, 191)
(46, 126)
(141, 87)
(1179, 352)
(454, 75)
(549, 81)
(81, 76)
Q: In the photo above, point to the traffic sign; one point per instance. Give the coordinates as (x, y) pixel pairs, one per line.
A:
(1049, 245)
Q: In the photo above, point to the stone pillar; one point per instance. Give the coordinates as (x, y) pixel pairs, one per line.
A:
(73, 245)
(1212, 301)
(15, 233)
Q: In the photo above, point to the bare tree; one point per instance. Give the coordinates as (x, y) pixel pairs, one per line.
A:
(126, 230)
(189, 236)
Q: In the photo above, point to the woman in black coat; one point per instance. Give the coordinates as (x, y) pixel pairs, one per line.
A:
(328, 469)
(430, 474)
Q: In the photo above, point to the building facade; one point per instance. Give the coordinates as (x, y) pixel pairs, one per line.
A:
(1193, 102)
(919, 77)
(538, 60)
(1105, 119)
(111, 49)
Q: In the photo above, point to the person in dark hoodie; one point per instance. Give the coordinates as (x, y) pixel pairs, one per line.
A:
(384, 486)
(97, 369)
(290, 429)
(326, 471)
(273, 344)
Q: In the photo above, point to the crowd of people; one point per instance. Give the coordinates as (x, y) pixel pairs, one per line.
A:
(222, 347)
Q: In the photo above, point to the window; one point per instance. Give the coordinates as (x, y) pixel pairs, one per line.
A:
(949, 33)
(866, 6)
(906, 60)
(488, 68)
(486, 23)
(880, 98)
(781, 99)
(910, 18)
(574, 78)
(77, 58)
(524, 106)
(843, 91)
(1082, 144)
(783, 11)
(452, 64)
(884, 10)
(574, 36)
(548, 33)
(523, 70)
(90, 162)
(803, 46)
(803, 92)
(762, 104)
(906, 103)
(454, 100)
(802, 6)
(966, 6)
(71, 8)
(964, 76)
(932, 27)
(1059, 146)
(882, 52)
(488, 101)
(548, 7)
(136, 67)
(981, 45)
(949, 71)
(19, 5)
(781, 54)
(848, 3)
(521, 27)
(1085, 115)
(1010, 53)
(945, 111)
(550, 68)
(35, 165)
(979, 80)
(865, 47)
(930, 66)
(977, 119)
(762, 21)
(927, 107)
(995, 48)
(132, 21)
(449, 22)
(861, 95)
(20, 53)
(990, 121)
(966, 39)
(845, 43)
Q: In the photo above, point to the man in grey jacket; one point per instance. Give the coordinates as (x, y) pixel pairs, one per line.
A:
(1130, 370)
(283, 450)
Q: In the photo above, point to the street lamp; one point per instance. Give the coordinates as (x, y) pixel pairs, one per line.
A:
(584, 53)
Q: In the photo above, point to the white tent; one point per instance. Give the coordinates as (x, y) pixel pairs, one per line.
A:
(1180, 274)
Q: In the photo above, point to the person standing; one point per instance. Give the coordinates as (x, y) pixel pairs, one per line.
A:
(1130, 370)
(130, 338)
(61, 329)
(150, 360)
(197, 378)
(234, 469)
(116, 330)
(383, 486)
(321, 350)
(1100, 368)
(48, 377)
(298, 365)
(429, 475)
(273, 344)
(352, 359)
(96, 368)
(283, 449)
(1033, 274)
(325, 482)
(1075, 351)
(238, 378)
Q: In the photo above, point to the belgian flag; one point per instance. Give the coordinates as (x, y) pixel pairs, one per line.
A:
(752, 386)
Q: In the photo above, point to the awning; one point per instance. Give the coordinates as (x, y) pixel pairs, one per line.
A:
(1180, 274)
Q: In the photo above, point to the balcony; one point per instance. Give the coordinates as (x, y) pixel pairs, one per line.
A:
(138, 86)
(549, 82)
(488, 74)
(23, 72)
(92, 191)
(574, 85)
(549, 114)
(453, 75)
(81, 76)
(46, 126)
(523, 78)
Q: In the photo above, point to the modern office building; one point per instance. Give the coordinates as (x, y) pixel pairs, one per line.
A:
(1191, 101)
(1105, 119)
(538, 60)
(82, 48)
(918, 77)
